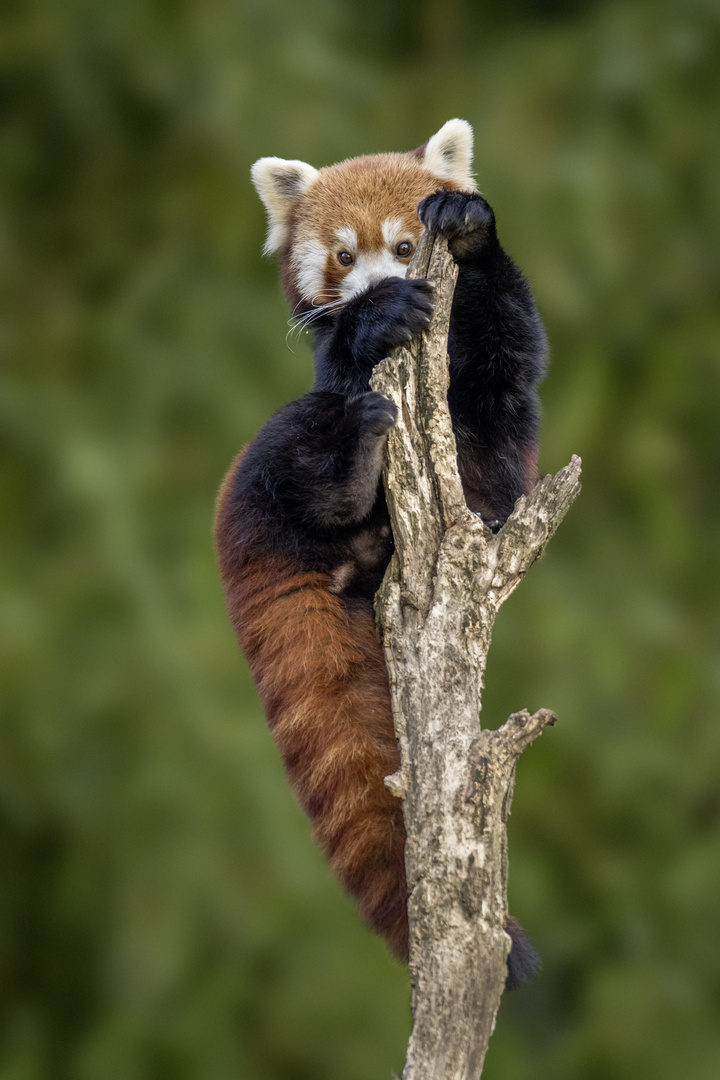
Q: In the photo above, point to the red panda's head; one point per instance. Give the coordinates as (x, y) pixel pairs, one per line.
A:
(342, 228)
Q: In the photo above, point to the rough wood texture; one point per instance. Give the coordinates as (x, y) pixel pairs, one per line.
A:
(436, 609)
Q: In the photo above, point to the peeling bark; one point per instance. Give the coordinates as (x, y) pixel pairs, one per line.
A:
(436, 609)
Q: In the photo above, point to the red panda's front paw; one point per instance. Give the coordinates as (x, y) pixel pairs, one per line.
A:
(464, 217)
(392, 312)
(398, 310)
(377, 413)
(453, 213)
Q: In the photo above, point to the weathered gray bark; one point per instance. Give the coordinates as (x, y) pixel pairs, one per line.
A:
(436, 609)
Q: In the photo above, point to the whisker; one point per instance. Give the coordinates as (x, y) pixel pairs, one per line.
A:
(298, 323)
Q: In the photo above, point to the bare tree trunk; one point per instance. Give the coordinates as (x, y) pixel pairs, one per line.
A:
(436, 609)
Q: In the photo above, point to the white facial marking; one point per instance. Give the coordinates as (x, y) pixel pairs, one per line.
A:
(309, 258)
(347, 239)
(393, 232)
(368, 270)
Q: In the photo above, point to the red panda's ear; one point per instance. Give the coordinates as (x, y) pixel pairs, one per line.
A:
(449, 154)
(280, 184)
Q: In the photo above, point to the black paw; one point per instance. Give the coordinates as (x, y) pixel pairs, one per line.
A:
(376, 413)
(395, 311)
(453, 213)
(464, 217)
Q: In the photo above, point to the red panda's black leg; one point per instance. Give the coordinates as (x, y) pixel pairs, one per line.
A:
(497, 349)
(316, 466)
(354, 491)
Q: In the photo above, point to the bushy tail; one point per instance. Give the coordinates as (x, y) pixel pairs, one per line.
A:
(324, 689)
(323, 685)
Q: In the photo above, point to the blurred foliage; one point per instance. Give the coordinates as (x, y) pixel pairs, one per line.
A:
(163, 913)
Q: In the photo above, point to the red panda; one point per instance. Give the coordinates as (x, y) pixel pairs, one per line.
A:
(302, 530)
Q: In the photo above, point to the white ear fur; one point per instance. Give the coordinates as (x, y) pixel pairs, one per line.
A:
(280, 184)
(449, 153)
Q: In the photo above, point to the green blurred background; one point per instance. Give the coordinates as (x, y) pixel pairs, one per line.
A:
(163, 913)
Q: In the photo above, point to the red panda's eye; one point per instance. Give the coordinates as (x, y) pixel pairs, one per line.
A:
(404, 249)
(345, 258)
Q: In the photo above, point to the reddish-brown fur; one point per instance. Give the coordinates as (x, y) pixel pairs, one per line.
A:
(323, 685)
